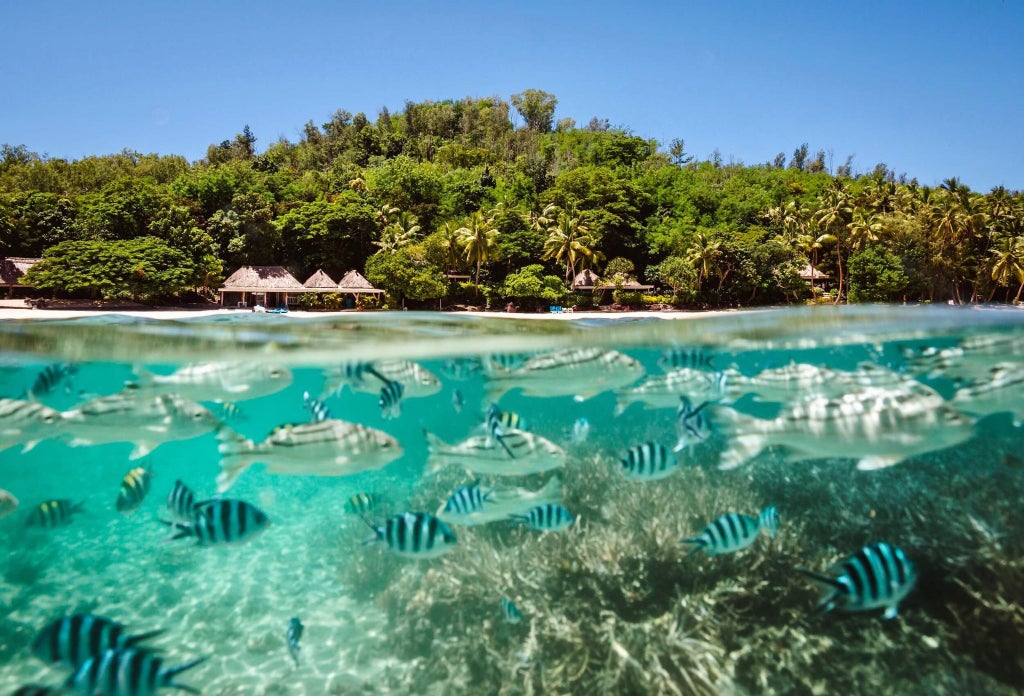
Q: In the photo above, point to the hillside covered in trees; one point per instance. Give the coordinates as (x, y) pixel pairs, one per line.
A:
(458, 187)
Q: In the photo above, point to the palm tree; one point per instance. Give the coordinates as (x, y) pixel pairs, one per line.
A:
(570, 240)
(865, 228)
(402, 232)
(449, 234)
(832, 218)
(704, 255)
(1008, 263)
(479, 239)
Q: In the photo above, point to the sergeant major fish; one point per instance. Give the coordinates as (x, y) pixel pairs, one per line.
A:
(73, 639)
(181, 502)
(878, 576)
(129, 416)
(221, 521)
(318, 411)
(415, 535)
(475, 505)
(519, 453)
(549, 517)
(390, 401)
(53, 513)
(330, 447)
(216, 381)
(362, 504)
(878, 426)
(648, 462)
(578, 372)
(134, 488)
(127, 672)
(51, 376)
(734, 532)
(693, 425)
(416, 380)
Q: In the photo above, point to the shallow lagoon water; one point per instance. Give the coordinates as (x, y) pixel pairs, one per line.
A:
(612, 605)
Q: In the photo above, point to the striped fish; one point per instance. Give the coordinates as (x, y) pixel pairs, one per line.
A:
(497, 421)
(692, 424)
(577, 372)
(51, 376)
(27, 423)
(415, 535)
(664, 391)
(318, 410)
(71, 640)
(232, 381)
(53, 513)
(134, 488)
(329, 448)
(416, 380)
(181, 502)
(222, 521)
(510, 611)
(127, 672)
(1001, 390)
(648, 462)
(734, 532)
(362, 504)
(519, 453)
(695, 357)
(390, 400)
(879, 575)
(230, 411)
(549, 517)
(461, 369)
(466, 500)
(504, 361)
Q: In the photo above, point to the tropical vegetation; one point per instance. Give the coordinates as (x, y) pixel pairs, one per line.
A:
(508, 195)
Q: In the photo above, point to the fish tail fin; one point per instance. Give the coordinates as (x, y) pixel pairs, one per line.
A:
(143, 637)
(769, 521)
(179, 530)
(830, 590)
(167, 676)
(235, 456)
(697, 542)
(740, 450)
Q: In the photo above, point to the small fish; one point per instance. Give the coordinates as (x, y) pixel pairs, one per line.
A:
(577, 372)
(390, 401)
(415, 535)
(294, 635)
(580, 431)
(531, 454)
(510, 611)
(416, 380)
(504, 361)
(362, 504)
(127, 672)
(230, 411)
(457, 400)
(696, 357)
(234, 381)
(664, 391)
(71, 640)
(8, 503)
(470, 507)
(734, 532)
(495, 427)
(221, 521)
(648, 462)
(181, 502)
(879, 575)
(318, 411)
(51, 376)
(461, 369)
(549, 517)
(134, 488)
(692, 424)
(497, 420)
(331, 447)
(53, 513)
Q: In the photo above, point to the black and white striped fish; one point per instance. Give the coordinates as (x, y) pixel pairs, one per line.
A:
(318, 410)
(390, 401)
(694, 357)
(53, 513)
(648, 462)
(362, 504)
(692, 424)
(415, 535)
(127, 672)
(181, 502)
(222, 521)
(549, 517)
(51, 376)
(578, 372)
(498, 420)
(71, 640)
(466, 500)
(878, 576)
(734, 532)
(510, 611)
(134, 487)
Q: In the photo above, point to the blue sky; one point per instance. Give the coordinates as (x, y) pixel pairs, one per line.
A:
(934, 89)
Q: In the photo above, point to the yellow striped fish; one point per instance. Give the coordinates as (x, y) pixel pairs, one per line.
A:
(134, 487)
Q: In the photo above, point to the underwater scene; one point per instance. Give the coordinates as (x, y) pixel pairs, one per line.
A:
(805, 501)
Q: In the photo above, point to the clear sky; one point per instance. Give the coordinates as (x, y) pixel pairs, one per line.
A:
(934, 89)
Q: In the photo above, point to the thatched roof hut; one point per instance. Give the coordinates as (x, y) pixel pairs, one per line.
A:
(586, 281)
(12, 268)
(271, 286)
(808, 273)
(355, 283)
(320, 282)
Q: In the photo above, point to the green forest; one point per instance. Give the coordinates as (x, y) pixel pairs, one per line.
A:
(519, 201)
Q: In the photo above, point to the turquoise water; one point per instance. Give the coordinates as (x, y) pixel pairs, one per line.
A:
(615, 603)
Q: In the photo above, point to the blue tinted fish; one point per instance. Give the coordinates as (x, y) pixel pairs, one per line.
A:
(390, 401)
(71, 640)
(415, 535)
(318, 410)
(878, 576)
(696, 358)
(648, 462)
(181, 502)
(127, 672)
(53, 513)
(546, 518)
(734, 532)
(134, 488)
(692, 424)
(294, 635)
(510, 611)
(222, 521)
(51, 376)
(466, 500)
(362, 503)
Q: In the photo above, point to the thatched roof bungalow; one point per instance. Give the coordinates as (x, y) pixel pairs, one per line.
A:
(586, 281)
(354, 283)
(12, 269)
(320, 282)
(270, 286)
